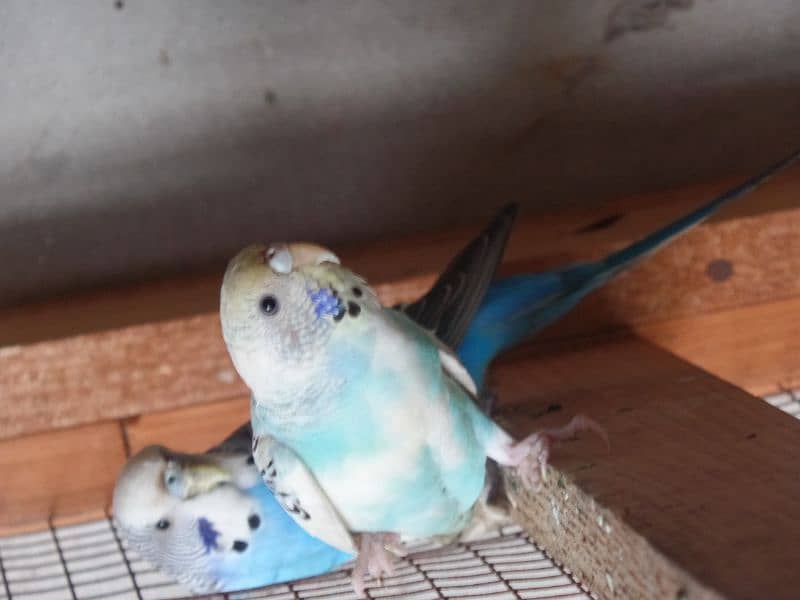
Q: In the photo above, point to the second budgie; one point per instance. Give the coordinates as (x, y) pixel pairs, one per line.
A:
(209, 521)
(362, 419)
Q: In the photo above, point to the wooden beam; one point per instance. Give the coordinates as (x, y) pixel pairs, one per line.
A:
(697, 497)
(754, 347)
(114, 374)
(541, 240)
(58, 474)
(164, 365)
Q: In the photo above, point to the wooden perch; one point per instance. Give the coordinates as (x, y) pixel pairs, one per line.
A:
(697, 497)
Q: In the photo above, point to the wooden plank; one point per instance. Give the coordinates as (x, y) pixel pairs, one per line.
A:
(114, 374)
(697, 497)
(190, 429)
(754, 347)
(539, 240)
(717, 267)
(58, 474)
(164, 365)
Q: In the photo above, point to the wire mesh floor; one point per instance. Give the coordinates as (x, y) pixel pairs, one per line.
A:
(89, 562)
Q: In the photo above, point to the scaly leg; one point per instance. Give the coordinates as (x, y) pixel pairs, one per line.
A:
(374, 557)
(530, 455)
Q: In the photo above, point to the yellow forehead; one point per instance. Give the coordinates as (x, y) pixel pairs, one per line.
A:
(247, 270)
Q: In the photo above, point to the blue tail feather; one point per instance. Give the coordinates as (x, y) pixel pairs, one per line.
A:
(518, 307)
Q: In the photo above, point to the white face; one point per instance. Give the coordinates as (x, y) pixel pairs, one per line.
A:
(269, 320)
(182, 536)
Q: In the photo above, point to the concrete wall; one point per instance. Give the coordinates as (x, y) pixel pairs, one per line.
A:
(140, 137)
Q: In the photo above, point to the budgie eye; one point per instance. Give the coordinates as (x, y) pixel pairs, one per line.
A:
(173, 479)
(269, 305)
(162, 524)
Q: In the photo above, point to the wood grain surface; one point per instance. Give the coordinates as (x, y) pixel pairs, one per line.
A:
(162, 365)
(695, 499)
(58, 475)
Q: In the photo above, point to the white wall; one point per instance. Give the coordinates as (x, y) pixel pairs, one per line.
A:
(163, 135)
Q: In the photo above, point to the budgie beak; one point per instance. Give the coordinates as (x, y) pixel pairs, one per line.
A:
(186, 476)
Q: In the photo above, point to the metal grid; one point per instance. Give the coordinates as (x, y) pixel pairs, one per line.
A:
(90, 561)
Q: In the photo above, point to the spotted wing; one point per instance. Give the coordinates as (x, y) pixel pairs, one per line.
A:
(301, 496)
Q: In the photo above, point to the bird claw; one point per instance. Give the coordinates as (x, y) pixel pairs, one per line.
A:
(531, 455)
(375, 557)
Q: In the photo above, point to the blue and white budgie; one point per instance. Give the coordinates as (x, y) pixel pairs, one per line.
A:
(209, 521)
(364, 422)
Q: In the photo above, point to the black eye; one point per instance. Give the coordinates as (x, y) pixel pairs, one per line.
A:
(162, 524)
(170, 479)
(269, 305)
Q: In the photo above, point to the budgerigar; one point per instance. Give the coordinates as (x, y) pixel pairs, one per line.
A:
(208, 519)
(362, 418)
(210, 522)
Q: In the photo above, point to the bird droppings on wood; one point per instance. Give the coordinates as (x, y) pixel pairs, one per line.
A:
(610, 582)
(556, 512)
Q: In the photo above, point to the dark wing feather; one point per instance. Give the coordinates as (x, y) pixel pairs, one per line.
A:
(450, 305)
(240, 440)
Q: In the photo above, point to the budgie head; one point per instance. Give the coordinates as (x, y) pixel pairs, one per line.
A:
(186, 513)
(278, 306)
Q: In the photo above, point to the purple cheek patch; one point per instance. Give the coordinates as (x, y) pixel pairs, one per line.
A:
(208, 534)
(325, 302)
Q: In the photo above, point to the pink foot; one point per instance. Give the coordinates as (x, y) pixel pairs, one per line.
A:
(374, 558)
(530, 455)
